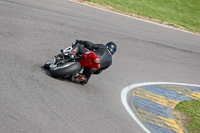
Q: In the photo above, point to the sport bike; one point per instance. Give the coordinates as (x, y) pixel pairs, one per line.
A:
(69, 65)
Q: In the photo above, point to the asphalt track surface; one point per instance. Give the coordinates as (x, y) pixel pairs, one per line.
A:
(32, 32)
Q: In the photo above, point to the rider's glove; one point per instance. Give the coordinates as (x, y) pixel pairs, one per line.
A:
(73, 43)
(77, 41)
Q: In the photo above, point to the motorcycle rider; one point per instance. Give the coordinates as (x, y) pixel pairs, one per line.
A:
(104, 52)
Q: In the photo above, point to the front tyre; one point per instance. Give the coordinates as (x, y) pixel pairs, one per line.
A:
(47, 64)
(65, 70)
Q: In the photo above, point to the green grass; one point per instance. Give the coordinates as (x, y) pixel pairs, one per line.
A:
(192, 109)
(185, 13)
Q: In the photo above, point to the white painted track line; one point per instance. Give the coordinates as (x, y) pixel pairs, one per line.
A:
(127, 89)
(135, 18)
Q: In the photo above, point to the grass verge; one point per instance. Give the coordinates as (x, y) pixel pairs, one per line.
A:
(191, 108)
(176, 13)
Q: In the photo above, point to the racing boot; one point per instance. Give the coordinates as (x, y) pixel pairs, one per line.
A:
(82, 79)
(79, 78)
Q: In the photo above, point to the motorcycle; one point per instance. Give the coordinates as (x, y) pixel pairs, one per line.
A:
(68, 65)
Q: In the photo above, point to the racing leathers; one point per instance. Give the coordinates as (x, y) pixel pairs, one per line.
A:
(100, 50)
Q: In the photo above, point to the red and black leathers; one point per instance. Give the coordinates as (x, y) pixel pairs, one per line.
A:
(99, 49)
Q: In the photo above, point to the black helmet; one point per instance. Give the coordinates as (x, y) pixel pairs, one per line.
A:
(112, 47)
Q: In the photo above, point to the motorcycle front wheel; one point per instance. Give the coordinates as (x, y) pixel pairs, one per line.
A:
(47, 64)
(65, 70)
